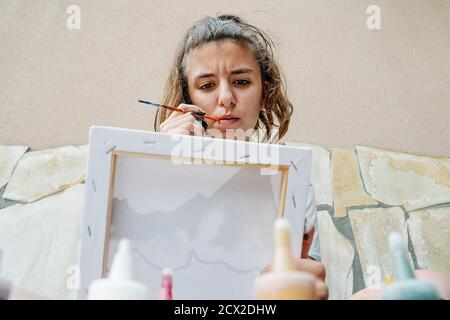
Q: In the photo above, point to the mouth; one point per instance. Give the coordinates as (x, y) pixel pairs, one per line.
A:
(228, 119)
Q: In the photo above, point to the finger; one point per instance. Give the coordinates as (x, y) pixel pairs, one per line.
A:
(314, 267)
(174, 114)
(321, 290)
(179, 131)
(191, 107)
(176, 122)
(185, 108)
(194, 128)
(199, 130)
(188, 126)
(166, 125)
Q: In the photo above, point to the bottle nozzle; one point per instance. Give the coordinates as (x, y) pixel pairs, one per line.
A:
(282, 260)
(165, 292)
(400, 263)
(121, 268)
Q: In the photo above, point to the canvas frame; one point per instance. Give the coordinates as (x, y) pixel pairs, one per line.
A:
(108, 143)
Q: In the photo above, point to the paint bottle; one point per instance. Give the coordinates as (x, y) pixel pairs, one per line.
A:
(405, 285)
(119, 285)
(284, 281)
(165, 291)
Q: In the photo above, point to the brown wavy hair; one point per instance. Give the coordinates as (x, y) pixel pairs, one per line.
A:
(277, 110)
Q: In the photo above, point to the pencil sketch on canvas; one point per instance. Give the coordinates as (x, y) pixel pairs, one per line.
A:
(205, 228)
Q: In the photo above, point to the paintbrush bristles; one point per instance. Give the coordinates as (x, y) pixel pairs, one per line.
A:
(150, 103)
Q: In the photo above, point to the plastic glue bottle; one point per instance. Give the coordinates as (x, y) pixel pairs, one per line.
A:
(119, 285)
(284, 281)
(405, 285)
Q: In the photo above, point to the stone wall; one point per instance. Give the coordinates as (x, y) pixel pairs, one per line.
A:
(362, 194)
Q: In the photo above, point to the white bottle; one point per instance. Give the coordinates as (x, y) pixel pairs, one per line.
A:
(119, 284)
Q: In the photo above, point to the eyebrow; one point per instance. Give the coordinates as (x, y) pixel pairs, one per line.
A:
(242, 70)
(237, 71)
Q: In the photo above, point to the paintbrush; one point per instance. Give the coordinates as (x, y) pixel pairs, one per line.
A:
(178, 110)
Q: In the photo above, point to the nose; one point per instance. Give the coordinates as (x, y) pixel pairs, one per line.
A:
(226, 96)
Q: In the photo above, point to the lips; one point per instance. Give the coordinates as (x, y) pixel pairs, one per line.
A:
(228, 119)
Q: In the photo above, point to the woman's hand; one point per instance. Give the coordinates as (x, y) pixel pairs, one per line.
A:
(184, 123)
(318, 270)
(315, 268)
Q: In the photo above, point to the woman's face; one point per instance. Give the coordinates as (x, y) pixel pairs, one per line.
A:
(224, 79)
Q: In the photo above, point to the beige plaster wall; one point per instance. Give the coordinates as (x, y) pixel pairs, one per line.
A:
(388, 88)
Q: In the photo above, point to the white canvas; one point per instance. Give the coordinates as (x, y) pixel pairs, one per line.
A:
(210, 223)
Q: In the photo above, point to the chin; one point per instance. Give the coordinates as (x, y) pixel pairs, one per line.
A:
(231, 132)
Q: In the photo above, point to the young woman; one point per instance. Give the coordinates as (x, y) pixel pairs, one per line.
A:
(226, 68)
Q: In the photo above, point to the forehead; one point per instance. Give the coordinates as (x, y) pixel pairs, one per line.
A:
(216, 56)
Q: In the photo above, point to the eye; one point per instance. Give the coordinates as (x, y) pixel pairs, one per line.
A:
(207, 85)
(242, 82)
